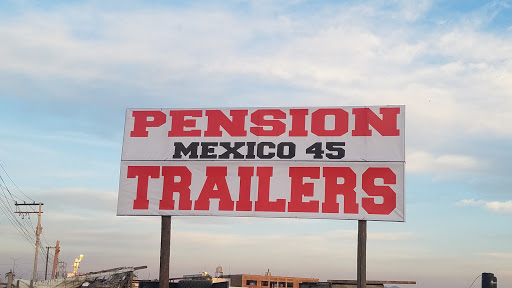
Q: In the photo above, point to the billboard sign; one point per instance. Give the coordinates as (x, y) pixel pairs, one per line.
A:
(322, 162)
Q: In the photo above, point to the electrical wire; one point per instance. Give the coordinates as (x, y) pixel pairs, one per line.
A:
(475, 280)
(8, 211)
(13, 219)
(15, 183)
(24, 226)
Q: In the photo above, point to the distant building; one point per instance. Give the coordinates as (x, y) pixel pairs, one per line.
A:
(266, 281)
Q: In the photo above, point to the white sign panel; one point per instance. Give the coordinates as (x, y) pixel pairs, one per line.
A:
(284, 189)
(323, 162)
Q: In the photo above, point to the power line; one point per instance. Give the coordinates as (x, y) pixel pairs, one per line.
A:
(8, 211)
(14, 220)
(24, 225)
(15, 183)
(6, 188)
(475, 280)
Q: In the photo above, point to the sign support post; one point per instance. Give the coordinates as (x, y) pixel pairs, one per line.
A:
(361, 253)
(165, 252)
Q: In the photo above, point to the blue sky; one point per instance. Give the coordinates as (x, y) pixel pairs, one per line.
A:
(69, 69)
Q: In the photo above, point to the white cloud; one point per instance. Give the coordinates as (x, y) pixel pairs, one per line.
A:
(470, 202)
(327, 238)
(82, 202)
(454, 78)
(337, 56)
(285, 251)
(412, 10)
(396, 236)
(501, 207)
(503, 255)
(425, 162)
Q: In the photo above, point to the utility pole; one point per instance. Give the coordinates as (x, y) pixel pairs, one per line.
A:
(38, 232)
(55, 259)
(61, 272)
(14, 264)
(10, 278)
(46, 267)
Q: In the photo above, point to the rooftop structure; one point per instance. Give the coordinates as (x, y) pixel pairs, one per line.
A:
(266, 281)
